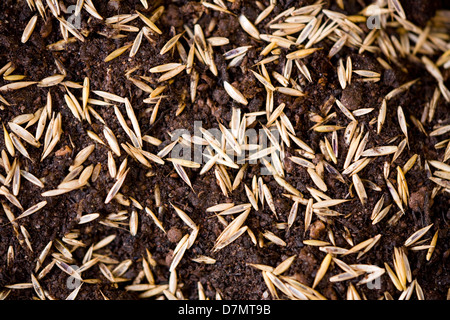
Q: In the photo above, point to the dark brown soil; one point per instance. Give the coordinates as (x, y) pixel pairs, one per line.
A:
(230, 275)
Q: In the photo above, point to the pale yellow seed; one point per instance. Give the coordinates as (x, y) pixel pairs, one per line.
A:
(322, 269)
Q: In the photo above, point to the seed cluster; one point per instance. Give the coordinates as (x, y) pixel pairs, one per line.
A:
(349, 144)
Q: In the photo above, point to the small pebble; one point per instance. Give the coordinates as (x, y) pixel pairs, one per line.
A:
(174, 235)
(316, 230)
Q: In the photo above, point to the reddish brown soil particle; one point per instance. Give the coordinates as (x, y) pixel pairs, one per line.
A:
(174, 235)
(417, 199)
(63, 151)
(352, 96)
(317, 229)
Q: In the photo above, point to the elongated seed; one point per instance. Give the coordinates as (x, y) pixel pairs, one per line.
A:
(322, 269)
(234, 93)
(29, 29)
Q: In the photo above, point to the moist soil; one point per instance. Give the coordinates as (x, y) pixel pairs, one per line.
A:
(230, 275)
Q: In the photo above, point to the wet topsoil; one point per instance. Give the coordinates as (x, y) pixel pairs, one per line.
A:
(230, 275)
